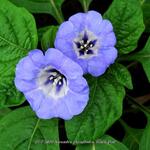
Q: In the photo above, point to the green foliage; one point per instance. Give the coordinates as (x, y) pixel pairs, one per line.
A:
(4, 111)
(52, 7)
(132, 136)
(146, 7)
(41, 31)
(127, 19)
(85, 4)
(143, 57)
(21, 129)
(121, 74)
(18, 35)
(49, 37)
(104, 108)
(104, 143)
(144, 143)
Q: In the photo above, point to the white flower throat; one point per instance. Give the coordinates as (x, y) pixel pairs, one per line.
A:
(52, 83)
(86, 45)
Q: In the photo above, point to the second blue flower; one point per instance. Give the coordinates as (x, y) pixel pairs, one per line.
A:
(89, 40)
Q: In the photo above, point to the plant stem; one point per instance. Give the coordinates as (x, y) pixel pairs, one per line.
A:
(60, 18)
(128, 130)
(33, 133)
(141, 107)
(132, 64)
(85, 7)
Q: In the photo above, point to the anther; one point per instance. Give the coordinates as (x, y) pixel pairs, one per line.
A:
(51, 78)
(81, 46)
(91, 45)
(60, 83)
(82, 42)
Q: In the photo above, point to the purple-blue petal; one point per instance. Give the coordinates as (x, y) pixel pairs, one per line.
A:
(105, 27)
(93, 21)
(37, 57)
(71, 69)
(83, 63)
(78, 21)
(25, 85)
(47, 109)
(54, 57)
(109, 54)
(107, 40)
(76, 102)
(35, 98)
(78, 85)
(65, 29)
(97, 66)
(25, 69)
(65, 46)
(62, 109)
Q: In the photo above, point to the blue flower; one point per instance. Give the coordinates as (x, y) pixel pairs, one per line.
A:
(52, 83)
(89, 40)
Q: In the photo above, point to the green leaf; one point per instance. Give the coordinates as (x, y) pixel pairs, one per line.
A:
(105, 143)
(121, 74)
(132, 136)
(41, 31)
(85, 4)
(143, 57)
(103, 109)
(22, 130)
(145, 139)
(49, 37)
(127, 19)
(146, 14)
(132, 139)
(18, 35)
(4, 111)
(52, 7)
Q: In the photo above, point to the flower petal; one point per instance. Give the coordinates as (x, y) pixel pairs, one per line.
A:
(93, 21)
(26, 69)
(76, 102)
(54, 57)
(78, 21)
(78, 85)
(105, 27)
(25, 85)
(37, 57)
(35, 98)
(47, 108)
(65, 29)
(83, 63)
(65, 46)
(97, 66)
(109, 54)
(107, 40)
(63, 111)
(71, 69)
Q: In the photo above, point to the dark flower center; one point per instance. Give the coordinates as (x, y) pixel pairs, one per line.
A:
(52, 82)
(56, 78)
(86, 44)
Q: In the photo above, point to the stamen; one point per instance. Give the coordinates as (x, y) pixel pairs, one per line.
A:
(82, 42)
(60, 82)
(91, 45)
(51, 77)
